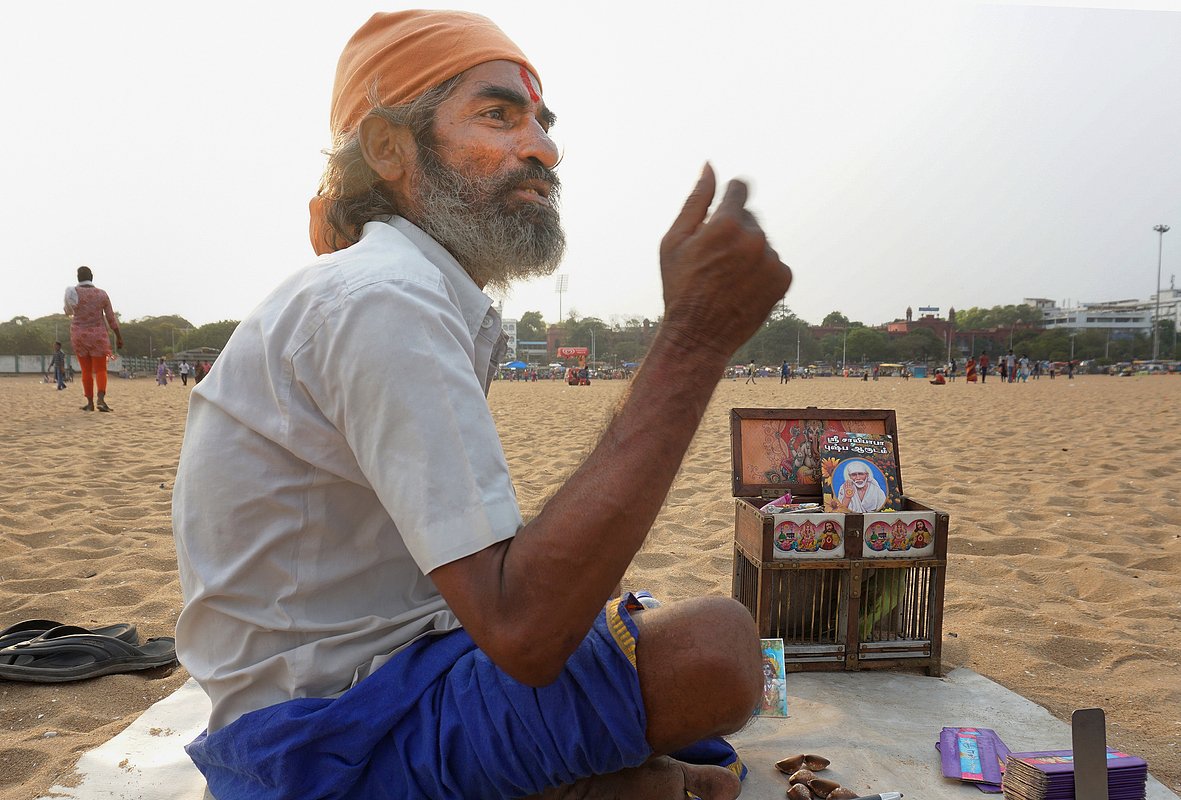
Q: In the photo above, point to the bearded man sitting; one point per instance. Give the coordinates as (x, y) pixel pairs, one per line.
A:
(364, 604)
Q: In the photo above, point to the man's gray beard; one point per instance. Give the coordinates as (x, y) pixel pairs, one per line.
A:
(495, 240)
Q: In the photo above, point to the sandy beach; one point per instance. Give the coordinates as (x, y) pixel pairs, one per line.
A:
(1064, 581)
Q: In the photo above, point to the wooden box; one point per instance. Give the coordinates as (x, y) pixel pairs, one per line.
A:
(844, 591)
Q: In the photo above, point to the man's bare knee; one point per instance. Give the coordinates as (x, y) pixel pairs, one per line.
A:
(739, 659)
(700, 673)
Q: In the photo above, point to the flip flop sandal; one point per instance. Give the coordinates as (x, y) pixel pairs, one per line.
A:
(103, 407)
(32, 628)
(69, 653)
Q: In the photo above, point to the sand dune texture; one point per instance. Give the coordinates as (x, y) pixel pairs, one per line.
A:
(1064, 581)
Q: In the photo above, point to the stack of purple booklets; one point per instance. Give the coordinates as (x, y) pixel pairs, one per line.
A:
(1049, 774)
(974, 755)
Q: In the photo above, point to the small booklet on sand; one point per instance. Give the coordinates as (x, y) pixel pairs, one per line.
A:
(860, 475)
(974, 755)
(774, 702)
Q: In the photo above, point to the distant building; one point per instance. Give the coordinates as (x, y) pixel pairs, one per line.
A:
(1125, 317)
(964, 341)
(1040, 303)
(928, 319)
(1120, 318)
(509, 326)
(1170, 305)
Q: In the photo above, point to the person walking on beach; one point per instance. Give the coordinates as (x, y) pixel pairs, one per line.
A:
(162, 372)
(983, 367)
(58, 362)
(750, 372)
(1010, 367)
(92, 314)
(183, 369)
(784, 373)
(356, 638)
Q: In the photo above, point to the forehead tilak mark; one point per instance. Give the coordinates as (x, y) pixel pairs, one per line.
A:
(528, 81)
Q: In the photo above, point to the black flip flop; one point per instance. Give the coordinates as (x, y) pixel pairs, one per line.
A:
(32, 628)
(69, 653)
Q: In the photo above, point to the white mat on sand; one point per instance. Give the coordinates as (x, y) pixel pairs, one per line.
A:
(878, 728)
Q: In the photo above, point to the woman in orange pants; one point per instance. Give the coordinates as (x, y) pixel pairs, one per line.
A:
(91, 309)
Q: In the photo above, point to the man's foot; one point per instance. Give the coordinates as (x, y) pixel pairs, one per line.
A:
(89, 406)
(659, 779)
(103, 406)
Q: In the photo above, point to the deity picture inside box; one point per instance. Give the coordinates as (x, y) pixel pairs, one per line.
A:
(858, 472)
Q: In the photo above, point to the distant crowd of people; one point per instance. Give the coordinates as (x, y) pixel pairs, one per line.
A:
(1008, 368)
(1011, 368)
(165, 374)
(568, 374)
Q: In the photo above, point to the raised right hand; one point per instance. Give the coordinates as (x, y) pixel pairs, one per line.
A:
(721, 276)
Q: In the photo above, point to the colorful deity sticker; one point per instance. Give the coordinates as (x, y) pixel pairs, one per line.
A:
(785, 537)
(830, 535)
(920, 534)
(876, 535)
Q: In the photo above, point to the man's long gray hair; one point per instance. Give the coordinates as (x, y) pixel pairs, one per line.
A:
(354, 192)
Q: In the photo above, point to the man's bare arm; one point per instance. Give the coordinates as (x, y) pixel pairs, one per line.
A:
(529, 601)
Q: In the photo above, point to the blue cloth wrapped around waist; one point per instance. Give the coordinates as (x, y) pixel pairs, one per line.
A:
(440, 720)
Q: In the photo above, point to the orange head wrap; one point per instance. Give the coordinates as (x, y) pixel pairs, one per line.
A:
(401, 56)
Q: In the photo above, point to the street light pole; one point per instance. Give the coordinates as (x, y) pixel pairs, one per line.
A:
(563, 283)
(1162, 230)
(844, 341)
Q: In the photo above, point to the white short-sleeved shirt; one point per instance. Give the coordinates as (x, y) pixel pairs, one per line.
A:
(340, 449)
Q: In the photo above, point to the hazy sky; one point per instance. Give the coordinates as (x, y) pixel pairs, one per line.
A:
(900, 153)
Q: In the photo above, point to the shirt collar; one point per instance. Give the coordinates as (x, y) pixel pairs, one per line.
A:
(86, 283)
(473, 303)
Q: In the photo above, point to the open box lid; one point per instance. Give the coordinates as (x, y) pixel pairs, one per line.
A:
(777, 450)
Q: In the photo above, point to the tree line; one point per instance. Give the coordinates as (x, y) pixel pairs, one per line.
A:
(784, 336)
(149, 337)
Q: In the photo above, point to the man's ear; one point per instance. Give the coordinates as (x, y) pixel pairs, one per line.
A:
(388, 149)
